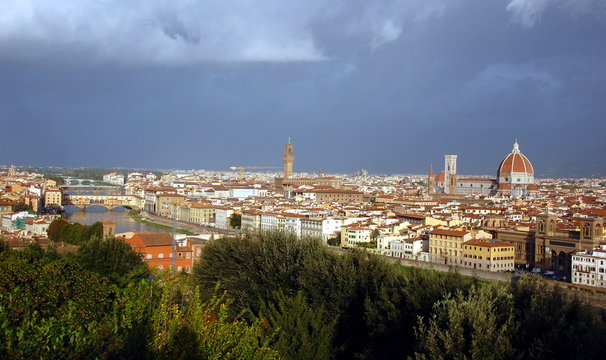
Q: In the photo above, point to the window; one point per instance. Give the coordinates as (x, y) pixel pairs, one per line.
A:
(148, 256)
(160, 256)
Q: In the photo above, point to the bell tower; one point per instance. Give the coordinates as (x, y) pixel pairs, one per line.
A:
(288, 159)
(431, 181)
(450, 174)
(591, 231)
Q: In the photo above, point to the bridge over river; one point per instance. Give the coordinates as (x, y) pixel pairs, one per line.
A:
(110, 202)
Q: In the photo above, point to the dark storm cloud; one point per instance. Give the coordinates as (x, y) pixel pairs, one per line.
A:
(389, 86)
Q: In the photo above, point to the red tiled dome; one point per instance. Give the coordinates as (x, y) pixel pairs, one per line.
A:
(440, 177)
(516, 162)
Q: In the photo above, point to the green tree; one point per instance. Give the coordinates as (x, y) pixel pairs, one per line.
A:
(552, 326)
(301, 332)
(55, 229)
(235, 221)
(112, 258)
(367, 245)
(49, 308)
(58, 179)
(93, 231)
(3, 245)
(374, 235)
(75, 234)
(334, 241)
(22, 207)
(185, 327)
(476, 326)
(369, 297)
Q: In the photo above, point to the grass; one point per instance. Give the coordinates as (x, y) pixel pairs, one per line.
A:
(136, 216)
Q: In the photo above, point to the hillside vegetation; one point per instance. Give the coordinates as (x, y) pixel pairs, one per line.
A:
(269, 296)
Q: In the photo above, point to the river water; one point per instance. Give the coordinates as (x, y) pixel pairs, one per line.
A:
(120, 216)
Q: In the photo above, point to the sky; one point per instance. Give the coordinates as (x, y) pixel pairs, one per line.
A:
(388, 86)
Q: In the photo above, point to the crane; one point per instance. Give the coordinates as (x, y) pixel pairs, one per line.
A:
(242, 168)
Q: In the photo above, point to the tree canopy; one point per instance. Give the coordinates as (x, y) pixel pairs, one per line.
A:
(75, 234)
(273, 295)
(378, 311)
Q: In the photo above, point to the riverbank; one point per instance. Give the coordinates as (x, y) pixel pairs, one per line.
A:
(133, 214)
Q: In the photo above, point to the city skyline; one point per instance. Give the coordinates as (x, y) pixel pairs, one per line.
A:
(390, 88)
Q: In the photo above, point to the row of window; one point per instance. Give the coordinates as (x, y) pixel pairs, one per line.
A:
(161, 256)
(578, 258)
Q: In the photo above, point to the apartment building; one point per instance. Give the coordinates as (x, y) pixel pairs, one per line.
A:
(490, 255)
(589, 267)
(446, 245)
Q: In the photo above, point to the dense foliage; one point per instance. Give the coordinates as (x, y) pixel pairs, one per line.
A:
(75, 234)
(53, 308)
(22, 207)
(112, 258)
(379, 311)
(235, 221)
(373, 305)
(271, 296)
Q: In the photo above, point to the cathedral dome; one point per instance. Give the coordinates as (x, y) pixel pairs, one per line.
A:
(515, 163)
(516, 174)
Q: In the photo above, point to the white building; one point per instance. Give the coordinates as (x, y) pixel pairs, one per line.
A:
(589, 267)
(272, 221)
(406, 248)
(241, 193)
(38, 226)
(8, 220)
(292, 223)
(135, 176)
(222, 216)
(114, 178)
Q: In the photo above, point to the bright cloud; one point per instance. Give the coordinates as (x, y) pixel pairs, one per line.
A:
(183, 32)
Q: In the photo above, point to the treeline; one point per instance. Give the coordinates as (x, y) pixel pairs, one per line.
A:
(75, 234)
(270, 296)
(67, 307)
(97, 173)
(367, 309)
(58, 179)
(84, 173)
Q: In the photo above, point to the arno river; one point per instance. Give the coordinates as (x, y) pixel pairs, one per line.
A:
(120, 216)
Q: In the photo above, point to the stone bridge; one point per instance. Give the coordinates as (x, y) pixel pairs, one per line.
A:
(108, 201)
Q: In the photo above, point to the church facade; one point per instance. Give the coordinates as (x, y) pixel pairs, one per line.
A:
(515, 177)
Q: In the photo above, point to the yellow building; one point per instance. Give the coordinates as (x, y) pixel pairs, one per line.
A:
(490, 255)
(446, 245)
(202, 214)
(52, 197)
(165, 203)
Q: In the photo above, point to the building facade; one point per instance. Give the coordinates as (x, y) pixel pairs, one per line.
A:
(589, 267)
(446, 245)
(489, 255)
(515, 177)
(52, 197)
(288, 159)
